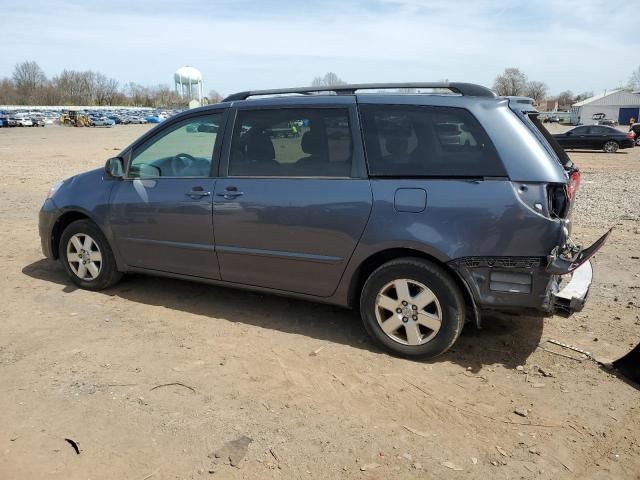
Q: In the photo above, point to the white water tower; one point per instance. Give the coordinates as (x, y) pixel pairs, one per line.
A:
(188, 81)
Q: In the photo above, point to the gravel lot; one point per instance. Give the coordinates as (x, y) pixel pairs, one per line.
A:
(152, 378)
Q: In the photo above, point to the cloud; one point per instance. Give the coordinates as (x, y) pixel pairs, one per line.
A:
(255, 44)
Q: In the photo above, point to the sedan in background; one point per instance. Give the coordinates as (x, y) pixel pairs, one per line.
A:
(595, 137)
(101, 122)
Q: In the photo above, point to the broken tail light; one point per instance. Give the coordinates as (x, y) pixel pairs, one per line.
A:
(573, 185)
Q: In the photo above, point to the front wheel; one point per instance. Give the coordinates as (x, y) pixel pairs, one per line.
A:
(611, 146)
(87, 257)
(413, 308)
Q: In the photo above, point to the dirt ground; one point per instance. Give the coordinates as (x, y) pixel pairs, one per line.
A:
(300, 380)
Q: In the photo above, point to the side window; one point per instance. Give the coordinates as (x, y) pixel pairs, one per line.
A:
(184, 150)
(580, 131)
(292, 142)
(600, 131)
(404, 140)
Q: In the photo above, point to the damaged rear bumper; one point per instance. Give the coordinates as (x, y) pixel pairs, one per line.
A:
(530, 284)
(572, 297)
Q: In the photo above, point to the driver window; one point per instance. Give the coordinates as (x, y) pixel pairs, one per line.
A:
(184, 150)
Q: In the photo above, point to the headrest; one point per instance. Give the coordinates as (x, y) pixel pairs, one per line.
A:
(312, 143)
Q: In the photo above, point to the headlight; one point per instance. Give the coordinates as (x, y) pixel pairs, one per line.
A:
(54, 188)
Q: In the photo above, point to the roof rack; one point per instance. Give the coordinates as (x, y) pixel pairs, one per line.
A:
(466, 89)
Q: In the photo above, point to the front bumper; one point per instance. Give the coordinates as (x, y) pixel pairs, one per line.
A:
(572, 297)
(46, 220)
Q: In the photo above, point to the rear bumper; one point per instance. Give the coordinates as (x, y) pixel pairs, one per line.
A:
(529, 284)
(572, 297)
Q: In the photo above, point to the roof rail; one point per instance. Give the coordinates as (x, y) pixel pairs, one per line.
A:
(466, 89)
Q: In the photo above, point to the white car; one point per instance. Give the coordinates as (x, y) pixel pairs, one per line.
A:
(24, 122)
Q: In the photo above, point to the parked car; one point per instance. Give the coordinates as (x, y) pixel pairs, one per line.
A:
(608, 122)
(23, 122)
(551, 119)
(594, 137)
(101, 122)
(373, 206)
(37, 122)
(9, 122)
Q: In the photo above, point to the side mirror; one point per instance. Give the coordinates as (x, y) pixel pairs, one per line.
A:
(114, 168)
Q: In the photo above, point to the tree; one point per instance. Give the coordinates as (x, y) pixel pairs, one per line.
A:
(8, 94)
(565, 98)
(106, 89)
(634, 80)
(214, 97)
(512, 82)
(583, 96)
(330, 79)
(536, 90)
(28, 77)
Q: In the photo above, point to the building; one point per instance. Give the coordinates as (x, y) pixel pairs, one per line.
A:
(618, 105)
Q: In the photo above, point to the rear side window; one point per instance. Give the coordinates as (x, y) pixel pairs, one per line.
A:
(407, 140)
(294, 142)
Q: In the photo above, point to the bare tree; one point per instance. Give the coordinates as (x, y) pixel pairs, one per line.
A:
(8, 94)
(536, 90)
(511, 82)
(634, 80)
(28, 77)
(106, 89)
(214, 97)
(583, 96)
(328, 80)
(565, 99)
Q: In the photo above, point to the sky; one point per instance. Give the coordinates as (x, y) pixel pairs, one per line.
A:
(580, 45)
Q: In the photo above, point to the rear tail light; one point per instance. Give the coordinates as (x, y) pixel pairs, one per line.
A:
(631, 135)
(573, 185)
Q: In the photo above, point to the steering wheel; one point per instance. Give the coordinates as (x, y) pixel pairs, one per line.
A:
(182, 161)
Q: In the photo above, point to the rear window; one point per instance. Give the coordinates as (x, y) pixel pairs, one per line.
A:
(407, 140)
(552, 142)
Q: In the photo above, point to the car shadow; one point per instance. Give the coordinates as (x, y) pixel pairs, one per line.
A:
(504, 340)
(595, 151)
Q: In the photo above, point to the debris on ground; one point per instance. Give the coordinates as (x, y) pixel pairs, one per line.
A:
(369, 466)
(233, 451)
(452, 466)
(523, 412)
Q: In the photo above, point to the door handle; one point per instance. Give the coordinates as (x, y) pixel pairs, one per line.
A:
(197, 192)
(230, 195)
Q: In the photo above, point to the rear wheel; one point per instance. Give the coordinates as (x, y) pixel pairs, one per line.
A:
(87, 257)
(412, 307)
(611, 146)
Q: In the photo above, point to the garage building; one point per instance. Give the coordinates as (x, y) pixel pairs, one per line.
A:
(618, 105)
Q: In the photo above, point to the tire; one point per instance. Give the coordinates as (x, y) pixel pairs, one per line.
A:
(425, 328)
(99, 271)
(611, 146)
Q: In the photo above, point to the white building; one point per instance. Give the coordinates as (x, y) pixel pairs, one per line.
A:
(618, 105)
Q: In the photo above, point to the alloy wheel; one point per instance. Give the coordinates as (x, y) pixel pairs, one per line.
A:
(610, 147)
(84, 256)
(408, 312)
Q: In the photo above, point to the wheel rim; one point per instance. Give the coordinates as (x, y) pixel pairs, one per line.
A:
(610, 147)
(408, 312)
(84, 256)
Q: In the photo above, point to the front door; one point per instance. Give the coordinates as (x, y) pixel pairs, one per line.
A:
(295, 201)
(161, 213)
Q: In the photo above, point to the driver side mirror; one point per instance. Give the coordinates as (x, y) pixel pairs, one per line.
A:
(114, 168)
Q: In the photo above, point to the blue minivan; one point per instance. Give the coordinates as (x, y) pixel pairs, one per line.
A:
(421, 210)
